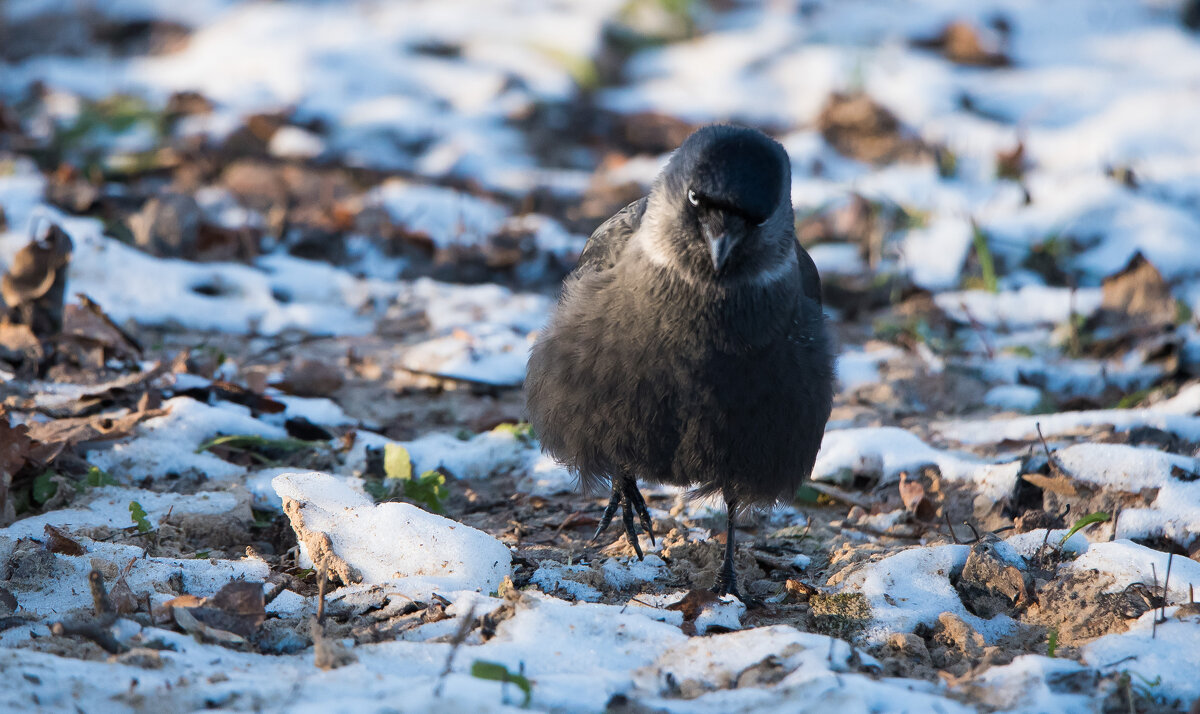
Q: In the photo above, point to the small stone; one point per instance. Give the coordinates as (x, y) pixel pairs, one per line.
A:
(909, 645)
(168, 226)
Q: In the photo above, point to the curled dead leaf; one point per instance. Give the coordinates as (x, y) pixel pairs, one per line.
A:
(33, 287)
(57, 541)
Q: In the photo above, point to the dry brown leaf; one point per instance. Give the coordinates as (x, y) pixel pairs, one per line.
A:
(123, 599)
(87, 322)
(100, 427)
(961, 43)
(34, 284)
(1010, 164)
(693, 603)
(1062, 485)
(15, 448)
(862, 129)
(186, 619)
(912, 495)
(1139, 293)
(57, 541)
(229, 616)
(19, 342)
(799, 591)
(310, 378)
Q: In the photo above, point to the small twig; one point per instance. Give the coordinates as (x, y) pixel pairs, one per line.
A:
(1154, 625)
(568, 521)
(285, 344)
(274, 592)
(1054, 464)
(979, 330)
(460, 636)
(322, 577)
(97, 632)
(973, 531)
(1166, 586)
(953, 535)
(101, 605)
(838, 494)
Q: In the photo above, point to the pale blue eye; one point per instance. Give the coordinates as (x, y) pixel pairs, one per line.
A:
(693, 198)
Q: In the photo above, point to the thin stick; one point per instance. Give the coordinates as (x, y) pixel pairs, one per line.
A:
(953, 535)
(322, 576)
(1154, 624)
(1166, 586)
(460, 636)
(838, 494)
(101, 605)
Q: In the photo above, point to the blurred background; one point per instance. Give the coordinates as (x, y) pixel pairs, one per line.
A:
(245, 239)
(1006, 185)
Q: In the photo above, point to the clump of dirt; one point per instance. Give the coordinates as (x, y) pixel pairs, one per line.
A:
(841, 615)
(695, 563)
(1077, 605)
(989, 586)
(956, 645)
(30, 565)
(905, 655)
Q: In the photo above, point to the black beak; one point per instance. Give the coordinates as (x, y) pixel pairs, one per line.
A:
(722, 232)
(718, 247)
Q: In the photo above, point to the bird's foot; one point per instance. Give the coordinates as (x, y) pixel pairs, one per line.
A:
(723, 588)
(625, 493)
(726, 586)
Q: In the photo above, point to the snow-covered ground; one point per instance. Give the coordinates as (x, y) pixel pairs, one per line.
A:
(413, 178)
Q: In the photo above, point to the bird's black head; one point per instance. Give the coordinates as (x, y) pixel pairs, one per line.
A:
(726, 196)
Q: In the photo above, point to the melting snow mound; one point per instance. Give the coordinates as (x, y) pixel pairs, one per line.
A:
(364, 542)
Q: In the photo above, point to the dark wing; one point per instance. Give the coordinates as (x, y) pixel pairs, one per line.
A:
(605, 246)
(808, 274)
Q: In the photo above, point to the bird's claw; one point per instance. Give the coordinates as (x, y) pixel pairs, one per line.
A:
(626, 493)
(609, 511)
(634, 496)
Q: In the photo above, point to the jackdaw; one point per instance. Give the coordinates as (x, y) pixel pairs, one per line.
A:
(689, 346)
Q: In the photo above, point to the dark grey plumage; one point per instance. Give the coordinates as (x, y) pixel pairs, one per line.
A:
(689, 346)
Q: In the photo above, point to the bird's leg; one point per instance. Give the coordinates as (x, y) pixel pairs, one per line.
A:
(630, 529)
(634, 496)
(727, 577)
(609, 511)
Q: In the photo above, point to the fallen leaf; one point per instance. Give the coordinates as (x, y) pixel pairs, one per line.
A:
(82, 430)
(693, 603)
(310, 378)
(862, 129)
(15, 448)
(229, 616)
(799, 591)
(912, 495)
(34, 285)
(1062, 485)
(1139, 294)
(86, 322)
(185, 618)
(1010, 164)
(961, 43)
(58, 541)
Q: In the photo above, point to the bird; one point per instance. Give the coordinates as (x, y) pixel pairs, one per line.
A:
(689, 345)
